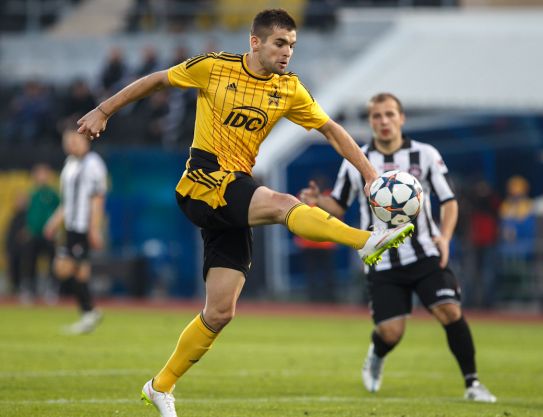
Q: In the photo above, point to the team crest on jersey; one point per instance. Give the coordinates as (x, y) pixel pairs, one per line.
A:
(274, 97)
(415, 170)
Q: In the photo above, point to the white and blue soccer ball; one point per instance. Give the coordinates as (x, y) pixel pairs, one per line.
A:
(396, 197)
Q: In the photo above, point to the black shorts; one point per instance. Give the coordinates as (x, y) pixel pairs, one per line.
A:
(391, 291)
(76, 247)
(228, 239)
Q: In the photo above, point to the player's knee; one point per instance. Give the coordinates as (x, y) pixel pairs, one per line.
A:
(63, 268)
(391, 335)
(447, 313)
(219, 318)
(282, 204)
(269, 206)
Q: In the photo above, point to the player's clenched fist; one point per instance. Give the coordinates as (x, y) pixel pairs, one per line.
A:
(93, 123)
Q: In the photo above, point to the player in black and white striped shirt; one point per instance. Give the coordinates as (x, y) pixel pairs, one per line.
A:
(425, 163)
(83, 183)
(419, 266)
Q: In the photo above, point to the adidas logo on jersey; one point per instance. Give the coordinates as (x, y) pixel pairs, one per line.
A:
(232, 87)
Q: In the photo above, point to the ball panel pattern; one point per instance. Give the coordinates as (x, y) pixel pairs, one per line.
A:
(396, 197)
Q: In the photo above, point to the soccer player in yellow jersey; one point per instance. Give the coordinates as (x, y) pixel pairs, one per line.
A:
(240, 99)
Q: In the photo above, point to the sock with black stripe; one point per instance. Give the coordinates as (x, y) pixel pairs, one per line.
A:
(315, 224)
(195, 340)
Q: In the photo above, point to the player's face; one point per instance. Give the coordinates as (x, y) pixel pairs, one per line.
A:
(386, 121)
(75, 144)
(275, 51)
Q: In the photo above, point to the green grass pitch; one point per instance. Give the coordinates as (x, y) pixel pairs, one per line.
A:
(261, 366)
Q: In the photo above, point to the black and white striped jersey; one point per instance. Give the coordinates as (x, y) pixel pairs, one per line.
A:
(81, 179)
(422, 161)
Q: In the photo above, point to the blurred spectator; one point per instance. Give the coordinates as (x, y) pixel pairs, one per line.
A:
(149, 62)
(150, 113)
(517, 220)
(517, 238)
(179, 122)
(142, 16)
(156, 110)
(16, 237)
(181, 13)
(482, 234)
(538, 267)
(43, 202)
(30, 114)
(211, 45)
(113, 72)
(321, 14)
(78, 101)
(180, 54)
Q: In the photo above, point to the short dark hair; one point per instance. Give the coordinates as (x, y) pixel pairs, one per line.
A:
(266, 20)
(379, 98)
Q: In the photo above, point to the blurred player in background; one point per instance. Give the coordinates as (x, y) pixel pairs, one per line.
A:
(15, 241)
(241, 97)
(43, 201)
(419, 266)
(83, 183)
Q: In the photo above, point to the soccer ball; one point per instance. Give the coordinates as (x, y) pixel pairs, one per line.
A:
(396, 197)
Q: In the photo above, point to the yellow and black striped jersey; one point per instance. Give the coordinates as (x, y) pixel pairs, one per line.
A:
(236, 108)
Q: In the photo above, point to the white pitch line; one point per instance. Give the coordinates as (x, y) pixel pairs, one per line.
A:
(73, 372)
(241, 373)
(266, 400)
(197, 373)
(257, 400)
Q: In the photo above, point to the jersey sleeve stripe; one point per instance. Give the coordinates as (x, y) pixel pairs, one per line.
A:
(197, 60)
(228, 59)
(308, 92)
(237, 57)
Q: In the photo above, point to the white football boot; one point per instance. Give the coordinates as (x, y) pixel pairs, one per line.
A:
(372, 371)
(88, 322)
(478, 392)
(383, 239)
(163, 401)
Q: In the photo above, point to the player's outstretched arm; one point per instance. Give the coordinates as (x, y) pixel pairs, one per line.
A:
(94, 122)
(345, 145)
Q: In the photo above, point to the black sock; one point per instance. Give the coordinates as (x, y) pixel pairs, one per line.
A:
(463, 349)
(380, 348)
(83, 296)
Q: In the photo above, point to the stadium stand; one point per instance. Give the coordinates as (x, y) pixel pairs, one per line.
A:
(88, 19)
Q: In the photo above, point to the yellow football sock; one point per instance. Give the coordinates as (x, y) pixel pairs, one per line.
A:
(195, 340)
(315, 224)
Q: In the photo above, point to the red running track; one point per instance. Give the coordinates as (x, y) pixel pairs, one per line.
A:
(281, 309)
